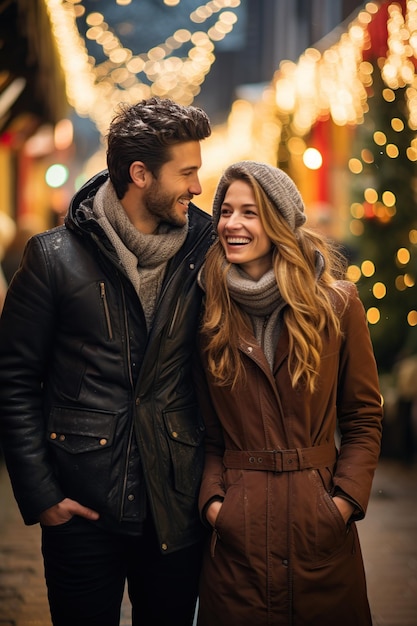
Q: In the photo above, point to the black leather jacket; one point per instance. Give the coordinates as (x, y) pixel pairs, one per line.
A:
(85, 393)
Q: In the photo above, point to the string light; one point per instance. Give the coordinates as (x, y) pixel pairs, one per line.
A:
(95, 89)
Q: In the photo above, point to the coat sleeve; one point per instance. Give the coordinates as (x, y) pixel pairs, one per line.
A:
(212, 481)
(26, 338)
(359, 407)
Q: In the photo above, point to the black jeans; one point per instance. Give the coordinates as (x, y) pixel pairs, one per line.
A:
(86, 569)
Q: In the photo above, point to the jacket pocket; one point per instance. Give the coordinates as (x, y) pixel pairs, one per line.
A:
(185, 432)
(81, 445)
(80, 430)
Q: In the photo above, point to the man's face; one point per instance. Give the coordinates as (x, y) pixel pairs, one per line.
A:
(168, 196)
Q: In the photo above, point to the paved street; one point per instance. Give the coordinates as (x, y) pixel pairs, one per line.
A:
(389, 543)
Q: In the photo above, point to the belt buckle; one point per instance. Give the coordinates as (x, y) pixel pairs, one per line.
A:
(277, 454)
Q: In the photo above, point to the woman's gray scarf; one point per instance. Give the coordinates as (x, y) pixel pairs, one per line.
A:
(144, 257)
(262, 301)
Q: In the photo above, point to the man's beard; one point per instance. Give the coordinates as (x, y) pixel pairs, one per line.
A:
(162, 206)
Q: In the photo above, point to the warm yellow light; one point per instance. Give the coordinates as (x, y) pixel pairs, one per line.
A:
(353, 273)
(296, 146)
(403, 256)
(379, 290)
(312, 159)
(367, 156)
(388, 198)
(368, 268)
(397, 124)
(94, 19)
(392, 150)
(388, 95)
(285, 95)
(411, 154)
(63, 134)
(355, 166)
(370, 195)
(400, 284)
(373, 315)
(412, 235)
(356, 227)
(357, 210)
(380, 138)
(412, 318)
(409, 280)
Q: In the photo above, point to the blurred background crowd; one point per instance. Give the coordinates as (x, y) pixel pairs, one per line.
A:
(325, 89)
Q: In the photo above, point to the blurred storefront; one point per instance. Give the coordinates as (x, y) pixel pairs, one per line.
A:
(32, 104)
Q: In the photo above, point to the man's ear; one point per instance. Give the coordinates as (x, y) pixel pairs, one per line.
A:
(138, 173)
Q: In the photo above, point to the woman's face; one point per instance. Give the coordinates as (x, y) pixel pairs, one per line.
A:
(241, 233)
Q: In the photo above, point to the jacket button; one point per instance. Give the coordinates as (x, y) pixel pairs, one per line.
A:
(164, 546)
(192, 266)
(103, 442)
(53, 435)
(130, 497)
(285, 562)
(174, 434)
(250, 349)
(61, 437)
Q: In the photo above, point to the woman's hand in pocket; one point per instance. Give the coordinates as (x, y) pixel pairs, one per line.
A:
(345, 507)
(213, 511)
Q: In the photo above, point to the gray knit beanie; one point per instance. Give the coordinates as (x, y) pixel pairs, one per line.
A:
(277, 185)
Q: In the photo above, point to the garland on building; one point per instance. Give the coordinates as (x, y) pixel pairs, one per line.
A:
(356, 102)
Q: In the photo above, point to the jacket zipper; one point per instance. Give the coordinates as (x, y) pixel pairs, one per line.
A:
(103, 296)
(174, 319)
(129, 368)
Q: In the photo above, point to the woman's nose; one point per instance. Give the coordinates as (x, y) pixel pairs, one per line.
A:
(234, 221)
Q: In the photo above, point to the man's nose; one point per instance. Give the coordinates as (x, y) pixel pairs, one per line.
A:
(195, 186)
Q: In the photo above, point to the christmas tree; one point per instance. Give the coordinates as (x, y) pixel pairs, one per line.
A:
(384, 224)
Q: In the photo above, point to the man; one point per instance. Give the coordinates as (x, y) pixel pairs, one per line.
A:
(99, 422)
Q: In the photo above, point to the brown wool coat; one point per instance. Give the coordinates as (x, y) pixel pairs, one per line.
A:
(281, 553)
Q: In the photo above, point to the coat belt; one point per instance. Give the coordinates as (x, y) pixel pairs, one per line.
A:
(281, 460)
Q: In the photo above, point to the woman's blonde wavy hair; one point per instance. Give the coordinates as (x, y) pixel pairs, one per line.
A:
(310, 298)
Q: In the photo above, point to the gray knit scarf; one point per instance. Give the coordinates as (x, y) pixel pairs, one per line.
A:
(262, 301)
(144, 257)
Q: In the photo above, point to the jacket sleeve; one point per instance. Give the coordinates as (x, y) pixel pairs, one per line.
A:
(212, 482)
(359, 408)
(26, 339)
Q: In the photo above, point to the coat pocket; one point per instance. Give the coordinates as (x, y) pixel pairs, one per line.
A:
(231, 523)
(185, 432)
(322, 534)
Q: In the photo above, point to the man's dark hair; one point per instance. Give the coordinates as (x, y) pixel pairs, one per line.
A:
(145, 131)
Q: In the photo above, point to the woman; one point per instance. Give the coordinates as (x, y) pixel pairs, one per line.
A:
(289, 364)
